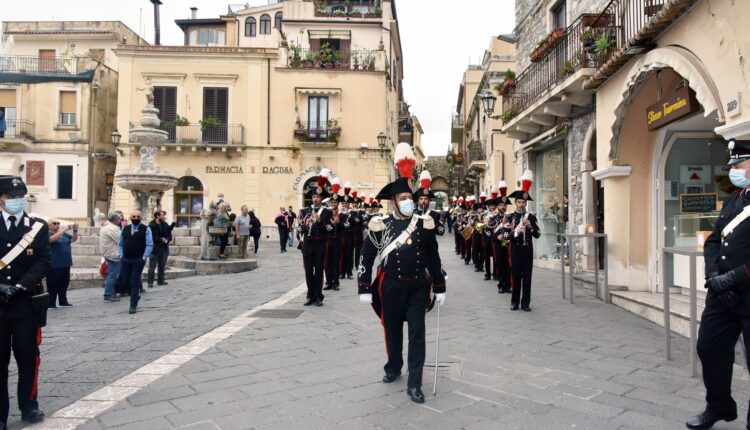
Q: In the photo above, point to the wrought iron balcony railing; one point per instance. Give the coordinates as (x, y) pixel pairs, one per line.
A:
(18, 129)
(34, 64)
(578, 48)
(196, 134)
(349, 8)
(318, 131)
(476, 152)
(330, 59)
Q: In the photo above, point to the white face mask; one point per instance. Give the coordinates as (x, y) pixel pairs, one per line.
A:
(15, 206)
(739, 178)
(406, 207)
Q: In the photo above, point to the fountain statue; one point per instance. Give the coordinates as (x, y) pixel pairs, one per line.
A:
(147, 183)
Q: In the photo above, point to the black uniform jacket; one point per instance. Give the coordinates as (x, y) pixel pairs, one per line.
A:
(733, 251)
(316, 231)
(28, 269)
(515, 219)
(412, 262)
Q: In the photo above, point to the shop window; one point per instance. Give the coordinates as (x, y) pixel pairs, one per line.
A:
(551, 185)
(65, 182)
(310, 183)
(67, 108)
(251, 27)
(277, 20)
(265, 24)
(188, 202)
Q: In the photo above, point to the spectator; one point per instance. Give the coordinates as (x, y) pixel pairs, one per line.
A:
(134, 248)
(160, 233)
(292, 224)
(233, 228)
(282, 222)
(58, 278)
(222, 221)
(243, 231)
(170, 227)
(123, 221)
(255, 231)
(109, 237)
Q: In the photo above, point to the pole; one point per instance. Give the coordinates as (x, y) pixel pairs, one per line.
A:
(437, 350)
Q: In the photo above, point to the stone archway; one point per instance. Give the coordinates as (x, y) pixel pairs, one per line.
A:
(440, 183)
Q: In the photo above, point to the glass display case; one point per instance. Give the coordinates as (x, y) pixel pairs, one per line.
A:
(690, 229)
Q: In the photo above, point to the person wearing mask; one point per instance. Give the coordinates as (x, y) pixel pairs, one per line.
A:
(222, 221)
(243, 231)
(292, 224)
(282, 222)
(135, 246)
(726, 253)
(109, 237)
(58, 278)
(157, 262)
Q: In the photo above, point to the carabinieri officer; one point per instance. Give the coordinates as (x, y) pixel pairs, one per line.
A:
(727, 311)
(25, 246)
(409, 254)
(314, 220)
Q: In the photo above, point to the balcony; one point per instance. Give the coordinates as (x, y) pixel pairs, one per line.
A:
(318, 134)
(554, 81)
(362, 60)
(348, 8)
(638, 24)
(195, 136)
(30, 69)
(477, 156)
(457, 127)
(18, 131)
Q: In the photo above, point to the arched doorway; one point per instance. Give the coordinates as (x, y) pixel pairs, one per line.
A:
(188, 202)
(310, 183)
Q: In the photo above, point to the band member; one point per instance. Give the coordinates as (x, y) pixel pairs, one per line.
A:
(477, 254)
(25, 262)
(400, 292)
(333, 238)
(347, 243)
(522, 230)
(501, 242)
(471, 218)
(459, 225)
(314, 220)
(726, 314)
(491, 220)
(358, 230)
(422, 196)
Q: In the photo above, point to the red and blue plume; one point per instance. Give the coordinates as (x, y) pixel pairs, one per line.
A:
(425, 179)
(526, 180)
(335, 185)
(347, 188)
(404, 160)
(503, 187)
(322, 180)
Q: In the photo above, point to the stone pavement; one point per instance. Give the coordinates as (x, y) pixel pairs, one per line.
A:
(588, 365)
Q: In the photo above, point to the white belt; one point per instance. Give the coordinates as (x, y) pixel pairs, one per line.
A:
(25, 241)
(742, 216)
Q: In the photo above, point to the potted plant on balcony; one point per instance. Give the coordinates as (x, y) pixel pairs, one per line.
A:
(459, 158)
(588, 36)
(295, 57)
(356, 14)
(375, 12)
(508, 114)
(510, 79)
(209, 123)
(334, 127)
(541, 48)
(309, 60)
(566, 69)
(327, 56)
(320, 8)
(603, 45)
(556, 35)
(596, 19)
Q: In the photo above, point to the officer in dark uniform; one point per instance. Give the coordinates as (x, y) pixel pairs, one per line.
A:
(521, 232)
(20, 317)
(488, 256)
(422, 197)
(314, 220)
(727, 311)
(333, 238)
(401, 291)
(347, 234)
(500, 241)
(357, 226)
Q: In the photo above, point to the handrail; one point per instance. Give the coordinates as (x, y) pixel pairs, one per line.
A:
(196, 134)
(35, 64)
(18, 129)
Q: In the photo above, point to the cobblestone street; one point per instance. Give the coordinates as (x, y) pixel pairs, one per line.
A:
(588, 365)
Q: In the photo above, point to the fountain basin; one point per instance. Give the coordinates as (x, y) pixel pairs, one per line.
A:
(147, 182)
(147, 136)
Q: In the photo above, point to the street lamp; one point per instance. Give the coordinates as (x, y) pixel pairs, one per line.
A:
(488, 100)
(116, 136)
(381, 142)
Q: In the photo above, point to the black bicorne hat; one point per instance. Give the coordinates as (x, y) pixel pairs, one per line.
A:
(12, 186)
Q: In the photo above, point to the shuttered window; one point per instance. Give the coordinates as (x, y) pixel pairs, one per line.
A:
(67, 108)
(165, 99)
(215, 104)
(7, 98)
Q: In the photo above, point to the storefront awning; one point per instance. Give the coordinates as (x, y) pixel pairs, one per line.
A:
(321, 91)
(330, 34)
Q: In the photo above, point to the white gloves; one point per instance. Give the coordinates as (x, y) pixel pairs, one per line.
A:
(366, 298)
(440, 298)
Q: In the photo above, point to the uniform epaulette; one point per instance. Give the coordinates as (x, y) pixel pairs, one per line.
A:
(376, 223)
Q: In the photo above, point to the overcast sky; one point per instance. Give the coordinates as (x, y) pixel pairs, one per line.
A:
(440, 39)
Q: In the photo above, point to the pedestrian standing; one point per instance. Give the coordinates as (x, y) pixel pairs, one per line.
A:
(314, 219)
(222, 221)
(169, 228)
(243, 231)
(522, 231)
(233, 228)
(255, 231)
(27, 259)
(58, 278)
(292, 225)
(134, 248)
(408, 252)
(157, 261)
(726, 313)
(282, 222)
(109, 237)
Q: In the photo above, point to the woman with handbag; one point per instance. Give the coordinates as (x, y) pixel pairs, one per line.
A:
(58, 278)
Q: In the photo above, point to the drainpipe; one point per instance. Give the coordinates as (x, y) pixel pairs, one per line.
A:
(268, 102)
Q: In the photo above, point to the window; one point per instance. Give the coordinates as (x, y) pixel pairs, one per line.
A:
(559, 16)
(250, 27)
(215, 105)
(265, 24)
(207, 37)
(277, 20)
(317, 113)
(65, 182)
(188, 202)
(165, 99)
(67, 108)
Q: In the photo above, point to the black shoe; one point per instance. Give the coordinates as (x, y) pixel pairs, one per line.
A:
(514, 307)
(390, 377)
(143, 291)
(342, 276)
(494, 277)
(66, 305)
(486, 277)
(328, 287)
(131, 310)
(149, 286)
(526, 309)
(309, 302)
(162, 283)
(349, 276)
(507, 290)
(319, 303)
(477, 269)
(500, 291)
(111, 299)
(33, 416)
(707, 419)
(415, 394)
(467, 262)
(336, 288)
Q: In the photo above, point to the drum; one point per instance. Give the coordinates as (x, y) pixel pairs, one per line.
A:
(467, 232)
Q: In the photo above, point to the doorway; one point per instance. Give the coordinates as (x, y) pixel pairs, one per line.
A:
(188, 202)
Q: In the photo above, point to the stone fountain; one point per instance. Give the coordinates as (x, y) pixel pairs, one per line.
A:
(147, 183)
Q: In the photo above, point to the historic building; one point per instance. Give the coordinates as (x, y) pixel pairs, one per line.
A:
(58, 109)
(257, 101)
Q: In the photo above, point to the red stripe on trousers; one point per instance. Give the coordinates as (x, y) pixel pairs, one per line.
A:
(381, 275)
(510, 263)
(35, 387)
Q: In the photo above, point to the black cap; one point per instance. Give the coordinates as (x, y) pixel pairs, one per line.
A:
(316, 190)
(424, 192)
(739, 150)
(522, 195)
(12, 186)
(400, 185)
(502, 199)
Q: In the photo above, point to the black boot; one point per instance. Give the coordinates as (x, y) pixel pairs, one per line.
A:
(33, 416)
(415, 393)
(707, 419)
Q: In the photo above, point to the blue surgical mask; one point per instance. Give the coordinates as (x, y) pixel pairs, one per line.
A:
(15, 206)
(406, 207)
(739, 178)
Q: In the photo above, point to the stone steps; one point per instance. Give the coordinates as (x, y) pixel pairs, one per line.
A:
(651, 307)
(90, 277)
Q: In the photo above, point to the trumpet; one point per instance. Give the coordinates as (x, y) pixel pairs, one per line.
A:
(479, 227)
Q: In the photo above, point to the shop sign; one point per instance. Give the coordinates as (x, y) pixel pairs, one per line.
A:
(733, 106)
(305, 173)
(37, 190)
(224, 169)
(35, 172)
(672, 108)
(698, 203)
(695, 174)
(277, 170)
(364, 185)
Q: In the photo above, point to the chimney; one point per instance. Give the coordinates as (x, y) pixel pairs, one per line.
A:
(157, 24)
(193, 12)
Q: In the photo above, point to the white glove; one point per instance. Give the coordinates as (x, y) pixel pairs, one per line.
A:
(367, 298)
(440, 298)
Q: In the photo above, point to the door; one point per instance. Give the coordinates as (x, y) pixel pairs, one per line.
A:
(215, 105)
(46, 60)
(165, 99)
(599, 205)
